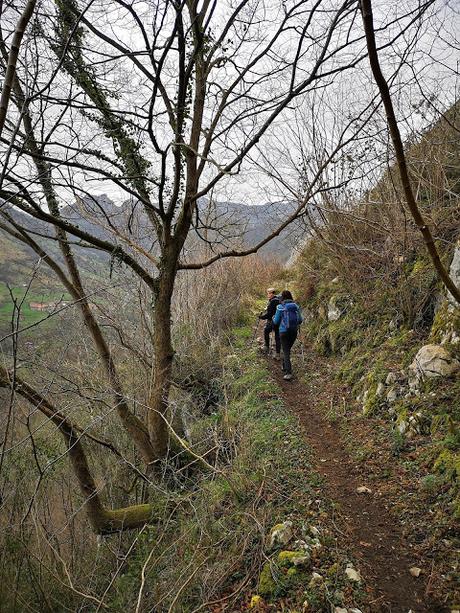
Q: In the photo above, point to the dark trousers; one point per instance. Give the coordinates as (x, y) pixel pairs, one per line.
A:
(287, 340)
(269, 327)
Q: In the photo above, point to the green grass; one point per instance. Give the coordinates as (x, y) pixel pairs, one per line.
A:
(225, 523)
(23, 298)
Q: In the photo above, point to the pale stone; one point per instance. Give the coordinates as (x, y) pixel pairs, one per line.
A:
(315, 579)
(362, 489)
(333, 311)
(454, 273)
(402, 427)
(414, 571)
(391, 378)
(300, 560)
(380, 390)
(281, 534)
(434, 361)
(353, 574)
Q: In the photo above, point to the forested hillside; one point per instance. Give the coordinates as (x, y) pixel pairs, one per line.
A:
(229, 306)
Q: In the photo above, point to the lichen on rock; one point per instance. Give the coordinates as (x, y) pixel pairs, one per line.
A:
(434, 361)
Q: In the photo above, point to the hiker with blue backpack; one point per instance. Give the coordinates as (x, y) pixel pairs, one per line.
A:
(267, 315)
(288, 317)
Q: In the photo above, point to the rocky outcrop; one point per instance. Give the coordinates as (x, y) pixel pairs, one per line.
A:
(454, 273)
(434, 361)
(281, 534)
(337, 307)
(334, 312)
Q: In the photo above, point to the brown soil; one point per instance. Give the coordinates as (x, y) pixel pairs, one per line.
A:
(366, 525)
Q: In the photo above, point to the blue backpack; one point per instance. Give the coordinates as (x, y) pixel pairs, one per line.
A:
(290, 316)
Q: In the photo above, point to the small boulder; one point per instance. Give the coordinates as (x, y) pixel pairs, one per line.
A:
(316, 578)
(352, 574)
(392, 394)
(402, 426)
(454, 273)
(362, 489)
(334, 312)
(293, 558)
(281, 534)
(434, 361)
(391, 378)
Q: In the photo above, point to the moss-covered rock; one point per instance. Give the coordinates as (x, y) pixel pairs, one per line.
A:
(267, 585)
(293, 558)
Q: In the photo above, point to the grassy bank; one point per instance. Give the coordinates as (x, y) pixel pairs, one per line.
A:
(219, 536)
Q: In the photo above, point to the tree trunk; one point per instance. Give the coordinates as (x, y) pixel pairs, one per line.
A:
(164, 354)
(368, 21)
(132, 424)
(102, 520)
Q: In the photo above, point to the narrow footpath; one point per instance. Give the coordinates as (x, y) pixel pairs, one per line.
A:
(366, 523)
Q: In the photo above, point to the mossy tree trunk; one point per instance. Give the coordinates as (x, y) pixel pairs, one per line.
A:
(102, 520)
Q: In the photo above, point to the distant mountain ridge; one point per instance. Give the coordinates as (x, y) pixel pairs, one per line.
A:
(225, 225)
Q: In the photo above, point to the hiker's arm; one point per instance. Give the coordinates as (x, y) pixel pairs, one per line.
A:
(277, 317)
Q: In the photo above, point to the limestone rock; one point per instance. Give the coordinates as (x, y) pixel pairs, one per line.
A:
(314, 530)
(334, 312)
(362, 489)
(380, 390)
(315, 579)
(353, 574)
(281, 534)
(293, 558)
(393, 393)
(391, 378)
(414, 571)
(402, 426)
(454, 272)
(434, 361)
(417, 422)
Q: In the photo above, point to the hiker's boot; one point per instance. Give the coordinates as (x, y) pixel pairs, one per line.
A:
(287, 377)
(277, 356)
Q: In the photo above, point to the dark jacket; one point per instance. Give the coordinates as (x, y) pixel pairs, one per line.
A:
(271, 309)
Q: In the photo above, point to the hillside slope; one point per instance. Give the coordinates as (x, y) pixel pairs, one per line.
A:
(376, 309)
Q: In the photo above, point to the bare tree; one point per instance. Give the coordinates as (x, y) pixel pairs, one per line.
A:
(160, 105)
(366, 10)
(12, 59)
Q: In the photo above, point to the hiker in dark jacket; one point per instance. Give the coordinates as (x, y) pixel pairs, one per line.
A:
(288, 317)
(268, 314)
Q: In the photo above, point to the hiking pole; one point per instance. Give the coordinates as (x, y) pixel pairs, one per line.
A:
(302, 348)
(255, 330)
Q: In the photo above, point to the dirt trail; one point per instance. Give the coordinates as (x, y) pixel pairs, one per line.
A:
(366, 525)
